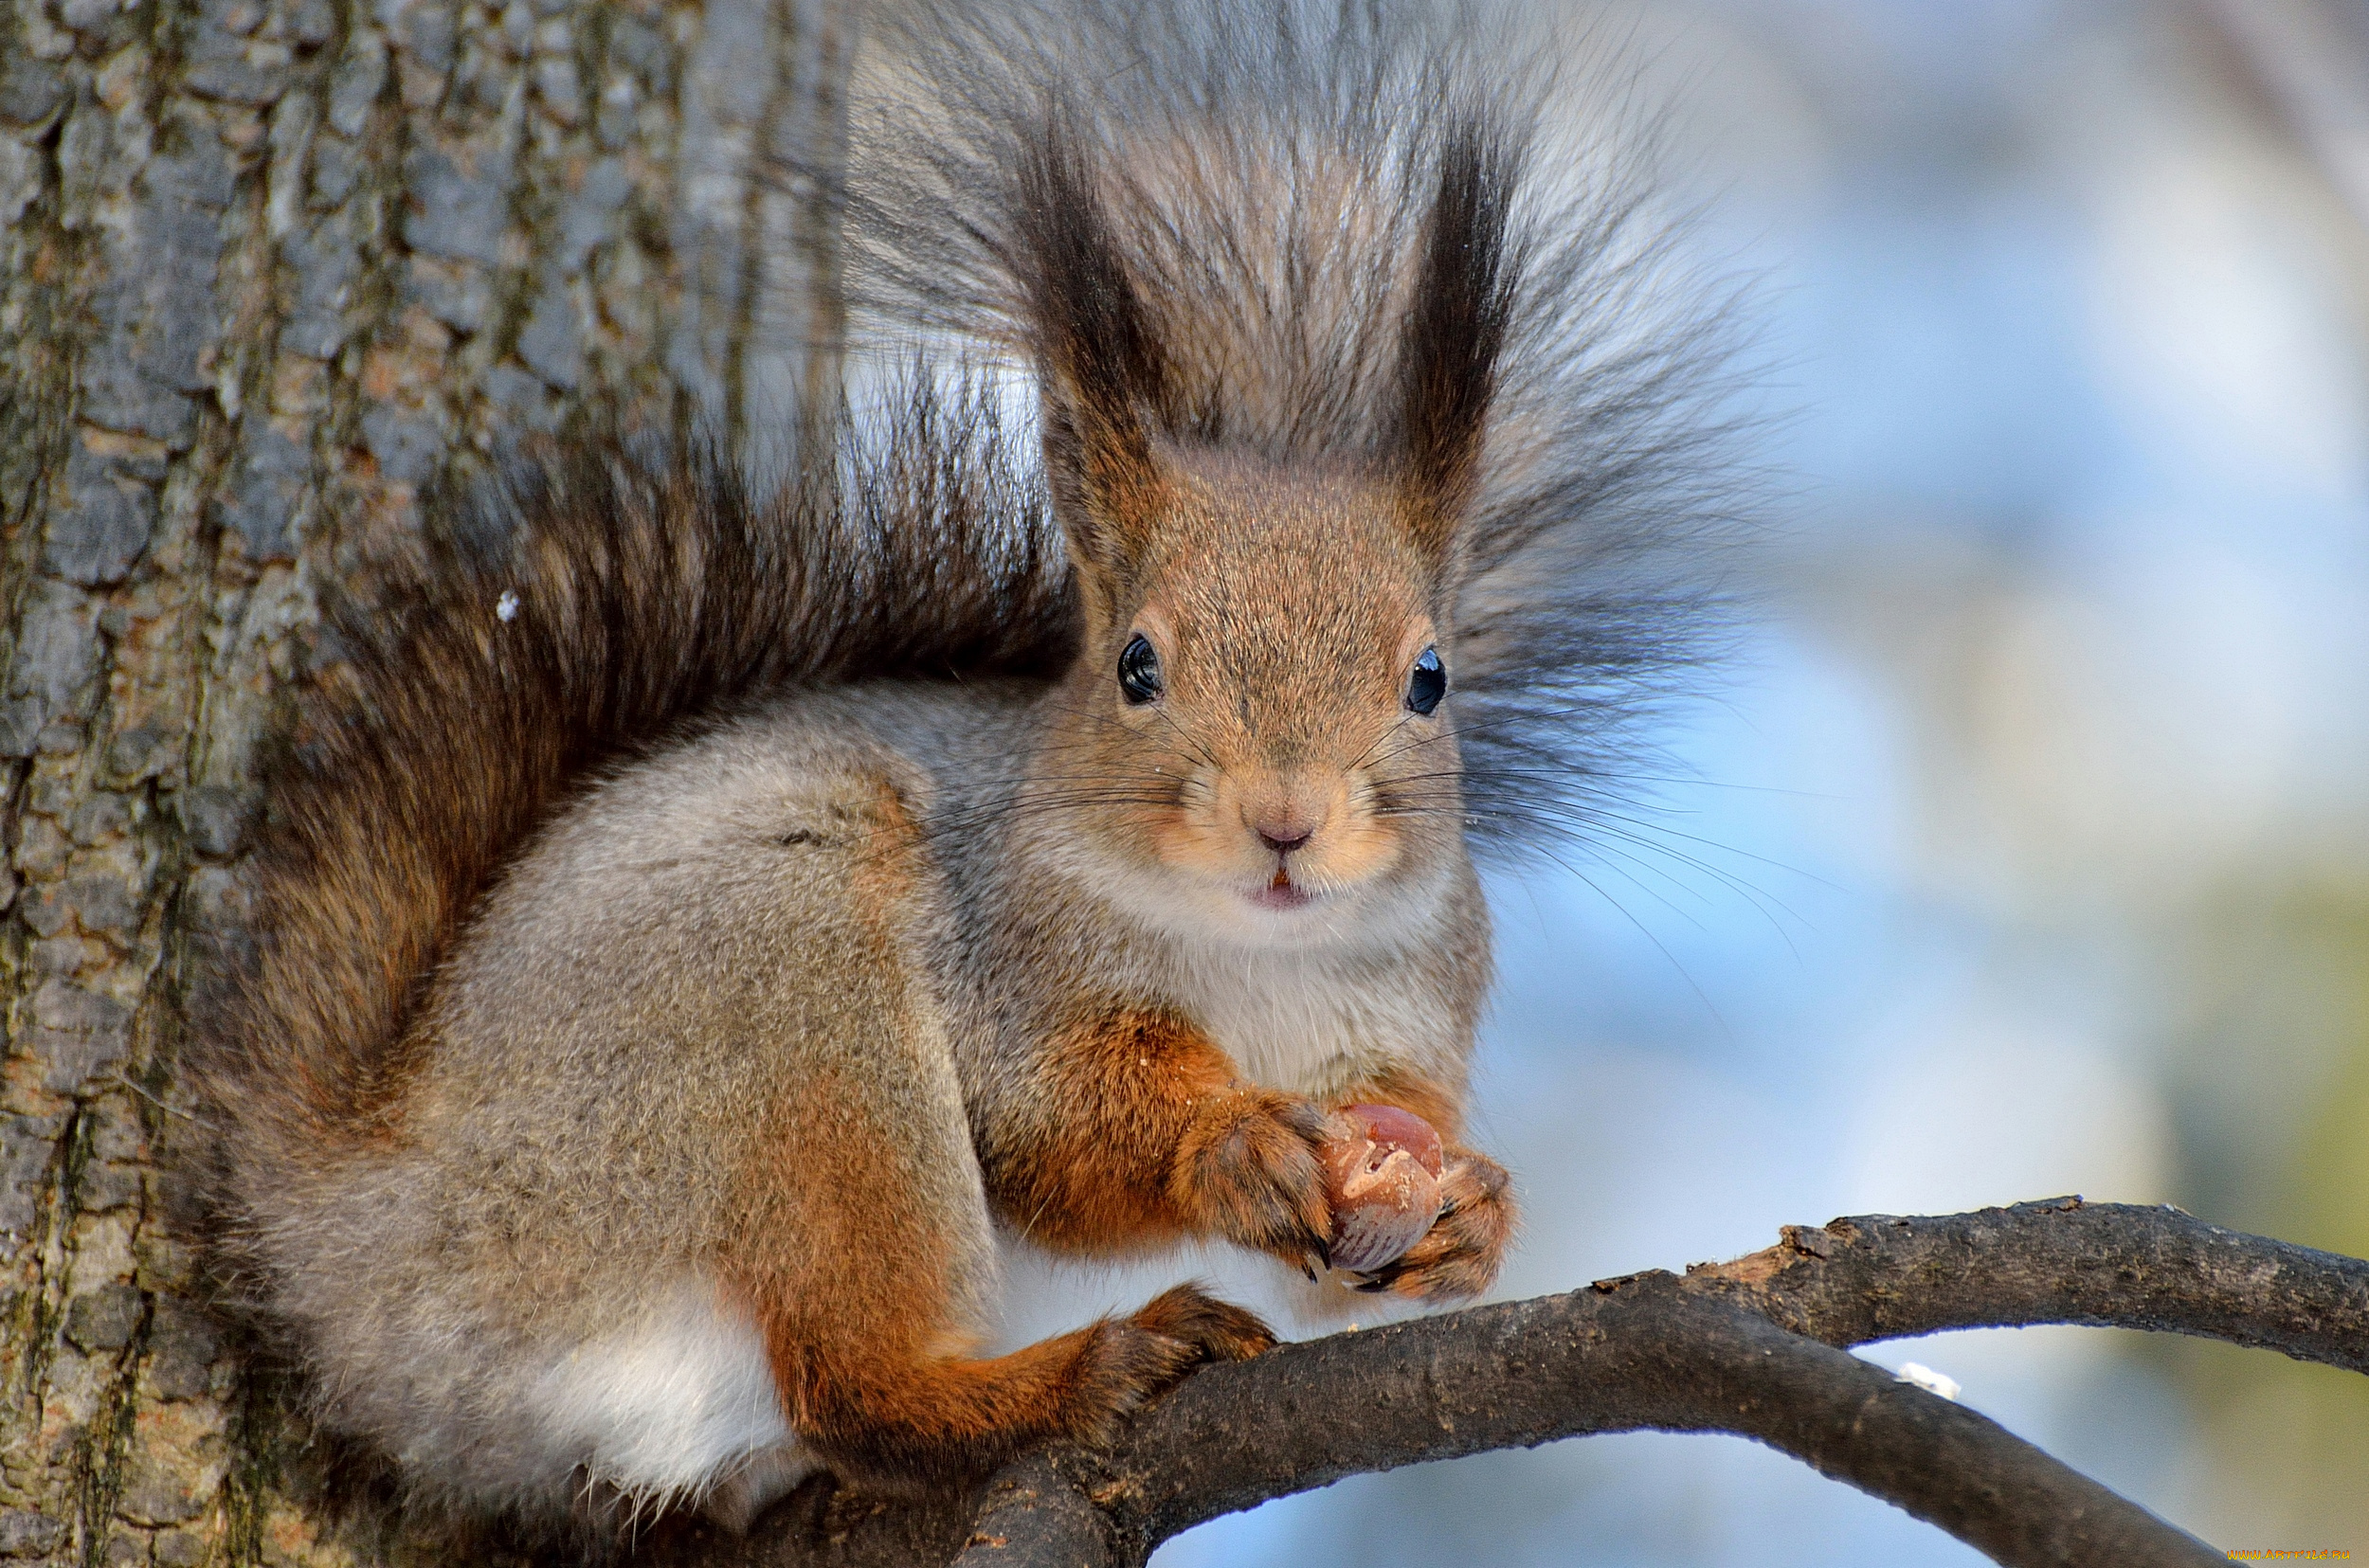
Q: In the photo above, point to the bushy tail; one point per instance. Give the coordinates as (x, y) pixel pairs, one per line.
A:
(581, 609)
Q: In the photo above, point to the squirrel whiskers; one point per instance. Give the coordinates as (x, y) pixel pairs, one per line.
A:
(693, 928)
(1266, 171)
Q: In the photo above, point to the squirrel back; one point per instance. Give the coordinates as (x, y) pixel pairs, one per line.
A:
(601, 598)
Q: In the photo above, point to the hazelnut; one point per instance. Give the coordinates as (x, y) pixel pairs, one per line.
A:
(1382, 1176)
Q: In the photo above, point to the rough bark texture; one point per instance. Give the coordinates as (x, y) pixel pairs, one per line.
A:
(267, 269)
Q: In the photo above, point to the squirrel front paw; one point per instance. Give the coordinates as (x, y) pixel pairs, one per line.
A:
(1458, 1256)
(1249, 1171)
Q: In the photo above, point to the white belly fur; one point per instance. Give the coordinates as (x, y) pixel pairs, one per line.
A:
(679, 1408)
(1297, 1023)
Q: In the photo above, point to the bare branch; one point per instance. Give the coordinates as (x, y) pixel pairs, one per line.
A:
(1652, 1353)
(2109, 1265)
(1727, 1347)
(2308, 59)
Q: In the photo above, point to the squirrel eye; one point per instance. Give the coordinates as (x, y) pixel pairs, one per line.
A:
(1139, 670)
(1428, 684)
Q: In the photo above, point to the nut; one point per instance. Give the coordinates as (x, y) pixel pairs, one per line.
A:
(1382, 1176)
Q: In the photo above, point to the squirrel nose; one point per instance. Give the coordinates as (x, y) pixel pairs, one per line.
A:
(1277, 839)
(1280, 827)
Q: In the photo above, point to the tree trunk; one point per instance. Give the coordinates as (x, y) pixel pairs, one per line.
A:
(273, 268)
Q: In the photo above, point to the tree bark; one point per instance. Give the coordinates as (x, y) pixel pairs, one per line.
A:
(271, 269)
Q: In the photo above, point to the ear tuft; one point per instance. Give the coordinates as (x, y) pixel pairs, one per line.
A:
(1102, 367)
(1458, 317)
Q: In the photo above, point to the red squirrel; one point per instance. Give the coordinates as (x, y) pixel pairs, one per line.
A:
(693, 923)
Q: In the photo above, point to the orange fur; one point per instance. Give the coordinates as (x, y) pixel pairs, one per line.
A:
(1148, 1134)
(890, 1412)
(866, 1351)
(1436, 1103)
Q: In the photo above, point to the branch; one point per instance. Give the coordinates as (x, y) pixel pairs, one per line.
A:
(2106, 1265)
(2307, 58)
(1747, 1347)
(1650, 1354)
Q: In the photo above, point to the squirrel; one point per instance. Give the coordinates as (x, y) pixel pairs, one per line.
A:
(693, 924)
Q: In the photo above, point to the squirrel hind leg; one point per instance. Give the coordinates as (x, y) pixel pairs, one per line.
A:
(923, 1420)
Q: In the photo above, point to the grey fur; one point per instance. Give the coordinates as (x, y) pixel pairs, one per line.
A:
(723, 923)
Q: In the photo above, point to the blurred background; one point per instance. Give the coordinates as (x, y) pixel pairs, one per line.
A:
(2028, 853)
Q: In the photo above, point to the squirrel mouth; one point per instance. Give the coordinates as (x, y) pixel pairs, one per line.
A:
(1281, 894)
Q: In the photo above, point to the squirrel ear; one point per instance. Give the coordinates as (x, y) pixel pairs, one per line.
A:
(1457, 315)
(1101, 368)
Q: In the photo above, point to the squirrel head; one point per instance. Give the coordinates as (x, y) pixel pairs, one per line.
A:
(1257, 738)
(1257, 733)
